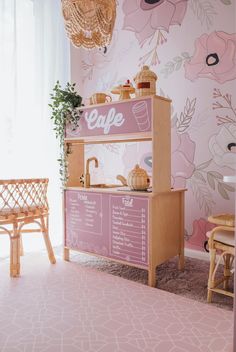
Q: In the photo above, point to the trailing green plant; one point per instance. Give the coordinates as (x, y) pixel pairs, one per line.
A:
(65, 104)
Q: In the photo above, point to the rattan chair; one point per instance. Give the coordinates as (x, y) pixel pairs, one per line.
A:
(23, 202)
(222, 242)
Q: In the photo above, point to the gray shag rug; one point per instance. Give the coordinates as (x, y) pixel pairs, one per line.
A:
(190, 283)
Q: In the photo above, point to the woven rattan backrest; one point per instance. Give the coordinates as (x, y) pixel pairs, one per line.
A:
(23, 195)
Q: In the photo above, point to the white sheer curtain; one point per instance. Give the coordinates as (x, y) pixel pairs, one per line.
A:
(34, 53)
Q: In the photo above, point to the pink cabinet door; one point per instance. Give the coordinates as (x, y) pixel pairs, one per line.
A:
(83, 222)
(128, 229)
(114, 226)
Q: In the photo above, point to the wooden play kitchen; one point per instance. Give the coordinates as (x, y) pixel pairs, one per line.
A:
(138, 228)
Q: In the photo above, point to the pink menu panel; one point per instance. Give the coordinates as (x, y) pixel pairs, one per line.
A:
(131, 116)
(129, 228)
(109, 225)
(83, 222)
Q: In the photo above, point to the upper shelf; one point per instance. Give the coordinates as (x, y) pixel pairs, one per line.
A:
(121, 120)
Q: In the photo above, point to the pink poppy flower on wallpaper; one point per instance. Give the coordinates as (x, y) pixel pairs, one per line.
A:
(182, 157)
(218, 146)
(198, 237)
(144, 17)
(214, 58)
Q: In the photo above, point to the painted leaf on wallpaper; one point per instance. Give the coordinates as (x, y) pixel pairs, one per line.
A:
(216, 174)
(178, 62)
(202, 195)
(229, 188)
(225, 105)
(112, 147)
(175, 65)
(199, 176)
(211, 180)
(148, 58)
(226, 2)
(204, 11)
(186, 116)
(200, 189)
(151, 57)
(222, 191)
(214, 58)
(204, 165)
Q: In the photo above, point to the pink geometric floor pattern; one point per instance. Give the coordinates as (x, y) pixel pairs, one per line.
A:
(68, 308)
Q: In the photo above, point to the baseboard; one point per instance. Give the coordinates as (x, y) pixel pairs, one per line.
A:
(192, 253)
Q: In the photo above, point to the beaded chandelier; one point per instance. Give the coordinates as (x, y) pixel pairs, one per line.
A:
(89, 23)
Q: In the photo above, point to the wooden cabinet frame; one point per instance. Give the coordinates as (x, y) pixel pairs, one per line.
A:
(166, 206)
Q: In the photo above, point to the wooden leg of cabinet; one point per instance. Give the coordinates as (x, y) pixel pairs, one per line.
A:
(152, 277)
(181, 261)
(67, 254)
(181, 232)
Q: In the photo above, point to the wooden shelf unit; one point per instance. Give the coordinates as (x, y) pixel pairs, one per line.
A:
(162, 234)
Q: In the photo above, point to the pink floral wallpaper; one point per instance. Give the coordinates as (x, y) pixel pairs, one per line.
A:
(191, 46)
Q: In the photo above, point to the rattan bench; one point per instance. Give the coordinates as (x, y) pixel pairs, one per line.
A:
(23, 202)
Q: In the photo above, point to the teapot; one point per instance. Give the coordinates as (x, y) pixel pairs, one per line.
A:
(138, 179)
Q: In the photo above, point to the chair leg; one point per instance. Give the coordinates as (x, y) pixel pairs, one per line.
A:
(227, 272)
(21, 247)
(211, 270)
(15, 252)
(66, 255)
(47, 240)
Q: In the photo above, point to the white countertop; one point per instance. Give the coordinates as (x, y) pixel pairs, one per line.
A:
(229, 179)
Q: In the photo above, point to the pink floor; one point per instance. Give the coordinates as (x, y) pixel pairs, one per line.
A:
(67, 308)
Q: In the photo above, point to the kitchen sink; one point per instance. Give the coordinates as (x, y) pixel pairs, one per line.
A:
(105, 185)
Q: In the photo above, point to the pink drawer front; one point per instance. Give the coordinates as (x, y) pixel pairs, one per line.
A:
(115, 226)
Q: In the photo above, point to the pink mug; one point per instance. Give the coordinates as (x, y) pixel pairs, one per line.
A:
(99, 98)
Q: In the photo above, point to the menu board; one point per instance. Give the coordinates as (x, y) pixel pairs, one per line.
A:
(115, 226)
(129, 228)
(84, 221)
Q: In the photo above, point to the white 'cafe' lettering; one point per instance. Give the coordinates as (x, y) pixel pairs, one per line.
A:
(113, 118)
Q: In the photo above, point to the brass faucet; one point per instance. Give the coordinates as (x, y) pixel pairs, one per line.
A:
(87, 174)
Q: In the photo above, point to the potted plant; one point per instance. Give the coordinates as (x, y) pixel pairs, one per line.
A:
(65, 104)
